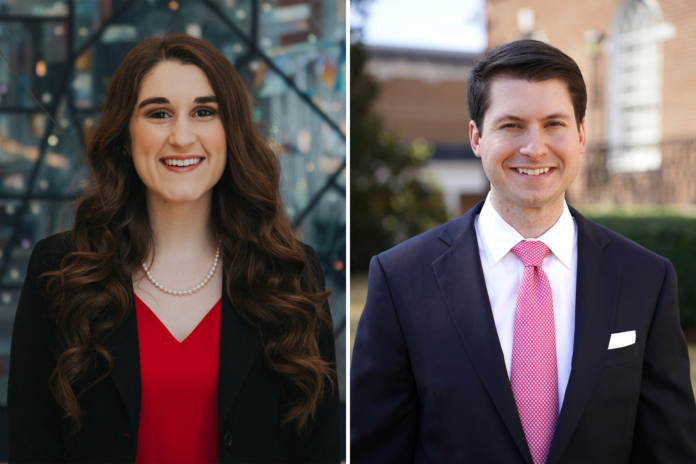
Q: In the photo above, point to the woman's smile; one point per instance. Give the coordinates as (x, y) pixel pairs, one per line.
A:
(181, 164)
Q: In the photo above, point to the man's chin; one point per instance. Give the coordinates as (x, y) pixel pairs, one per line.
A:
(537, 200)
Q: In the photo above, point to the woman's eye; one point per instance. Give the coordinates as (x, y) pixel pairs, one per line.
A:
(204, 112)
(159, 115)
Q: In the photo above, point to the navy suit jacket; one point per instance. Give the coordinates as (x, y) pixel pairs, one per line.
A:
(428, 378)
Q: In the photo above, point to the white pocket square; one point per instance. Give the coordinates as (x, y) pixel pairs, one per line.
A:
(621, 339)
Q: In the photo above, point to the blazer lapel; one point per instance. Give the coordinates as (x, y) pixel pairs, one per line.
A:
(240, 345)
(122, 344)
(598, 278)
(462, 283)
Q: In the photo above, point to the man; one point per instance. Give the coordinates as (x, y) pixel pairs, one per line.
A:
(522, 332)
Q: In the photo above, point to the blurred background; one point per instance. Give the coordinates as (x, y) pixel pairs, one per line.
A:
(411, 163)
(290, 53)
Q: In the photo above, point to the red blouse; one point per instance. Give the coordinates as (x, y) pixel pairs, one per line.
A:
(178, 407)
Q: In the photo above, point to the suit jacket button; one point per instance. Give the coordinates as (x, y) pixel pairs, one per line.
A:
(227, 439)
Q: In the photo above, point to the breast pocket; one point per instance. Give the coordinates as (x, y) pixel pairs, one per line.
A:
(623, 355)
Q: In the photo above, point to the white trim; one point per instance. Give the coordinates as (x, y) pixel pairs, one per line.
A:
(427, 71)
(635, 80)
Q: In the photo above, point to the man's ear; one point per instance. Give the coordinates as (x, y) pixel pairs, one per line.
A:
(475, 138)
(582, 137)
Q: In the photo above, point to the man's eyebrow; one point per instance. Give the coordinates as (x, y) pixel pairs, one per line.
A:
(162, 100)
(507, 117)
(512, 117)
(558, 116)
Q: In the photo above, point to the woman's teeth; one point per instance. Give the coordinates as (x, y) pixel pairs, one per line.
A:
(188, 162)
(533, 172)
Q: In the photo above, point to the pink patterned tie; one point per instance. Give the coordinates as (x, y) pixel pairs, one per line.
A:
(534, 374)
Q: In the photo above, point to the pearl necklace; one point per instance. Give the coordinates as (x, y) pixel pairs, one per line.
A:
(185, 292)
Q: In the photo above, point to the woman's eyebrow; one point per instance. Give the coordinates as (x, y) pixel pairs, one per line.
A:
(162, 100)
(208, 99)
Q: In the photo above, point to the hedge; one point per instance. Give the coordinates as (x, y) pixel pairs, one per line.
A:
(673, 237)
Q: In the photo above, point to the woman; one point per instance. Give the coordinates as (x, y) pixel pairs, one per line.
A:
(116, 353)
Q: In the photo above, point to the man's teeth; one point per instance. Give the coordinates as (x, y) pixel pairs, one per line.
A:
(533, 172)
(188, 162)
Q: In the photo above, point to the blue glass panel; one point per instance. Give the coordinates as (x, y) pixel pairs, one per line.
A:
(20, 140)
(62, 170)
(89, 16)
(37, 8)
(38, 53)
(306, 39)
(240, 12)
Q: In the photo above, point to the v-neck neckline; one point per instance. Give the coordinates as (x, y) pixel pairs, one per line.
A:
(163, 325)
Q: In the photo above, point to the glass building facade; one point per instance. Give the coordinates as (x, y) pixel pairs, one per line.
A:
(290, 53)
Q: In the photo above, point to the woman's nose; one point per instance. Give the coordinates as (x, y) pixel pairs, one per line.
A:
(182, 133)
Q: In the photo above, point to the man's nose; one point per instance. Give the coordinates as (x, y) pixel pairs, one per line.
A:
(182, 133)
(535, 143)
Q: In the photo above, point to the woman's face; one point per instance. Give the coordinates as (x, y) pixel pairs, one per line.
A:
(178, 142)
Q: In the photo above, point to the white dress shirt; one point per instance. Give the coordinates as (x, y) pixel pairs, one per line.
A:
(503, 273)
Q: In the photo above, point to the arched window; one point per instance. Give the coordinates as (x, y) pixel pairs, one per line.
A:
(635, 88)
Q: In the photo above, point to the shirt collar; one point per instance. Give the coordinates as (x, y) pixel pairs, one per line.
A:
(499, 237)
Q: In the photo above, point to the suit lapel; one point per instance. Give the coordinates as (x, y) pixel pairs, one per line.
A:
(463, 286)
(598, 278)
(122, 344)
(240, 345)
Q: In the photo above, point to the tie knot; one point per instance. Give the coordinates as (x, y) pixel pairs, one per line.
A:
(532, 253)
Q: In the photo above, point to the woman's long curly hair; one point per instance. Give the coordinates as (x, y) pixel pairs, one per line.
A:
(111, 236)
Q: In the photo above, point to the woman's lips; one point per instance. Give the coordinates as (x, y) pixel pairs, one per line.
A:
(181, 169)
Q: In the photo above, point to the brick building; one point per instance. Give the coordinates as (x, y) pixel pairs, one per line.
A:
(638, 58)
(423, 96)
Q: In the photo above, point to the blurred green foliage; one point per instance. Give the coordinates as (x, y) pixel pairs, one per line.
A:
(671, 236)
(390, 202)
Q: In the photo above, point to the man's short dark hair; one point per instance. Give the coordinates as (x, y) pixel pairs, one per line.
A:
(529, 60)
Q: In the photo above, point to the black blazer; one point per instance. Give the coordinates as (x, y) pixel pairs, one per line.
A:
(249, 406)
(428, 377)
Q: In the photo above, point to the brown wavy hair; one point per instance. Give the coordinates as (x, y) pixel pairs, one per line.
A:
(267, 274)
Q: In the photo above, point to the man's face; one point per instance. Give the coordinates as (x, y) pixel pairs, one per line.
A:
(531, 145)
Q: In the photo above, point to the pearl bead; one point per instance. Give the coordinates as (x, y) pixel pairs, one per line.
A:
(194, 289)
